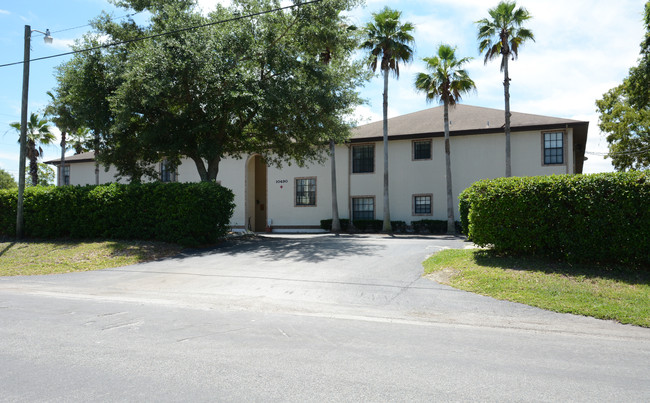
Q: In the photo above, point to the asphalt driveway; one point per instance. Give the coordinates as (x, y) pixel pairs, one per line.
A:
(377, 277)
(301, 318)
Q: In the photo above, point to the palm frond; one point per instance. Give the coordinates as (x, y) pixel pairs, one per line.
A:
(447, 80)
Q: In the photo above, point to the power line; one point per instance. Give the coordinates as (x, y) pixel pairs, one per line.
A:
(87, 25)
(629, 152)
(165, 33)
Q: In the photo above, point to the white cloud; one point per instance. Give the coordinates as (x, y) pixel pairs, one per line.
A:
(62, 44)
(13, 157)
(4, 12)
(364, 114)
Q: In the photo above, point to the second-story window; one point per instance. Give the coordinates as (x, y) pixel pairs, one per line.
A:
(422, 150)
(363, 158)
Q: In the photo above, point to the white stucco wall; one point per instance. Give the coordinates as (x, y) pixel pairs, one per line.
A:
(473, 157)
(83, 173)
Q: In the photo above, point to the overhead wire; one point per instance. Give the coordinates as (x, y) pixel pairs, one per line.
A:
(87, 25)
(629, 152)
(142, 38)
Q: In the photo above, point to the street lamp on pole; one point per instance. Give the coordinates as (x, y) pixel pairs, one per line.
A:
(23, 128)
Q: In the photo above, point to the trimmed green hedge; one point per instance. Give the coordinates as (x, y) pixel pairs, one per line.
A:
(586, 218)
(189, 214)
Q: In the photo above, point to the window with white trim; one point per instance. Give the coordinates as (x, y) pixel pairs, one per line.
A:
(553, 148)
(305, 191)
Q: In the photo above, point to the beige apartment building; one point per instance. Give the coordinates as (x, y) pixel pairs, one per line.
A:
(295, 199)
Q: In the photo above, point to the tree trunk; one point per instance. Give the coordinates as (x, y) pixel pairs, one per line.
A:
(451, 225)
(33, 170)
(386, 227)
(506, 91)
(210, 173)
(62, 166)
(213, 169)
(336, 223)
(200, 167)
(96, 161)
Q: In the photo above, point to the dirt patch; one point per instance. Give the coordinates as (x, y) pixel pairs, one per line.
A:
(443, 276)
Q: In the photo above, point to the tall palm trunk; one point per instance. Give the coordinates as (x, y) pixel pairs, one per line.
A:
(33, 171)
(32, 154)
(62, 166)
(336, 223)
(386, 227)
(451, 226)
(96, 161)
(506, 93)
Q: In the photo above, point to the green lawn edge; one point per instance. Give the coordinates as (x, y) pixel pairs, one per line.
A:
(614, 293)
(54, 257)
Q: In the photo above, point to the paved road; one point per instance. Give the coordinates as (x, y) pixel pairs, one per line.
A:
(296, 318)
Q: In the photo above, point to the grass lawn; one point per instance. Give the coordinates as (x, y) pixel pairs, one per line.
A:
(50, 257)
(617, 293)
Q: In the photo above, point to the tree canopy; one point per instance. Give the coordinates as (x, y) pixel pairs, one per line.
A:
(448, 80)
(388, 40)
(45, 176)
(625, 112)
(6, 180)
(210, 86)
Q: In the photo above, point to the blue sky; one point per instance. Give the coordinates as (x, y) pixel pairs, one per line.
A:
(583, 48)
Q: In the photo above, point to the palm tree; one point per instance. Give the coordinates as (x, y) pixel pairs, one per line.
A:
(501, 35)
(331, 41)
(79, 140)
(38, 133)
(60, 115)
(446, 83)
(391, 40)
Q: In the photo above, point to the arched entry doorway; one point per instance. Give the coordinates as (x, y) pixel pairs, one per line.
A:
(256, 203)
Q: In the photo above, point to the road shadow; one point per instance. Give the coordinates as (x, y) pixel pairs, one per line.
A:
(629, 275)
(429, 237)
(303, 249)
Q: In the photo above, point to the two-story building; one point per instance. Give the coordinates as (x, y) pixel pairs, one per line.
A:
(296, 199)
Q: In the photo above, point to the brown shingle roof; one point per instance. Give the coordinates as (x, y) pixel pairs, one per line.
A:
(465, 119)
(83, 157)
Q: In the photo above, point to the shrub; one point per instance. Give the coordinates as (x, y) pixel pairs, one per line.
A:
(433, 226)
(189, 214)
(589, 218)
(430, 226)
(398, 226)
(463, 207)
(327, 224)
(363, 225)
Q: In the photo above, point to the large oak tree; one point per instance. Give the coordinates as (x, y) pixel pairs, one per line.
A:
(212, 86)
